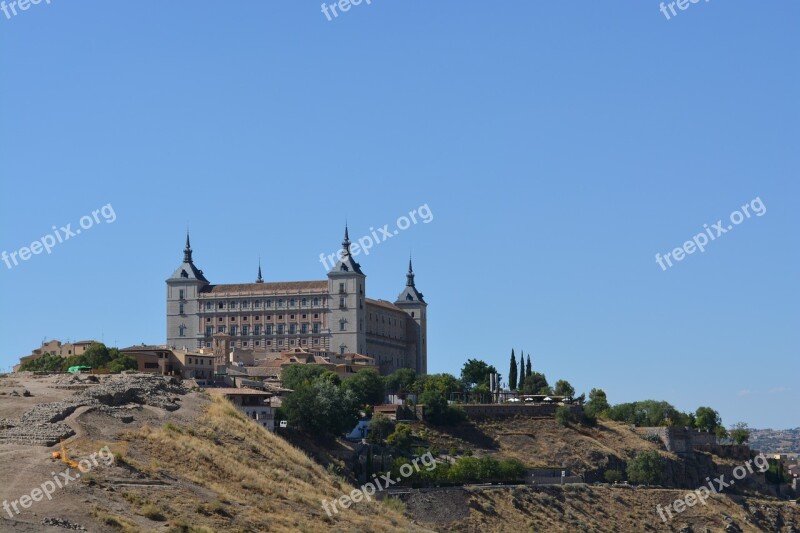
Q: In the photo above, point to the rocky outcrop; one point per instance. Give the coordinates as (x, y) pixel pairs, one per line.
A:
(42, 424)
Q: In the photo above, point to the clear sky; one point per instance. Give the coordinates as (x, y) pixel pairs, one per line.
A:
(558, 145)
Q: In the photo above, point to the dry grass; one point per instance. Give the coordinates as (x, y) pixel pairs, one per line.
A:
(261, 483)
(605, 509)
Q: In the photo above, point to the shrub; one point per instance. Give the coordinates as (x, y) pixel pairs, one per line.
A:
(563, 415)
(646, 467)
(153, 513)
(613, 476)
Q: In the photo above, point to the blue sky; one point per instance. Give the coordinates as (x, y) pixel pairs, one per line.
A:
(559, 146)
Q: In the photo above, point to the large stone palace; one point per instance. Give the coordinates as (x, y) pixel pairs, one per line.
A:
(332, 315)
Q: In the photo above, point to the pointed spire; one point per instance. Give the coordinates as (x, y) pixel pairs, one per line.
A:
(187, 252)
(259, 279)
(410, 275)
(346, 241)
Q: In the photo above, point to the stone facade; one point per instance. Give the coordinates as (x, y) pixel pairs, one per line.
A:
(321, 316)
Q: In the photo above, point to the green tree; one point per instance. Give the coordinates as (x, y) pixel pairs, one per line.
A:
(401, 438)
(563, 388)
(437, 410)
(535, 383)
(368, 387)
(401, 380)
(647, 413)
(598, 402)
(476, 372)
(706, 418)
(46, 363)
(521, 379)
(563, 415)
(322, 408)
(646, 467)
(441, 383)
(122, 363)
(613, 476)
(294, 376)
(380, 427)
(528, 366)
(96, 355)
(512, 372)
(740, 433)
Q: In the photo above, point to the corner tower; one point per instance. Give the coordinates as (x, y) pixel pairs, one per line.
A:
(412, 302)
(183, 302)
(347, 311)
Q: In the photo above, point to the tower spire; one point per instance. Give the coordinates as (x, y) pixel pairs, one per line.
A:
(259, 279)
(187, 251)
(410, 275)
(346, 241)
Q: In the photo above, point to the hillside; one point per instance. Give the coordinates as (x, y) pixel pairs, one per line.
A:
(179, 461)
(202, 467)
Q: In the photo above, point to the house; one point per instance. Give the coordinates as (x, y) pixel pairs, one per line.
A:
(169, 362)
(255, 404)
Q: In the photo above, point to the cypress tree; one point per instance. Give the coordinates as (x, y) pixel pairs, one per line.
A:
(512, 372)
(521, 370)
(528, 370)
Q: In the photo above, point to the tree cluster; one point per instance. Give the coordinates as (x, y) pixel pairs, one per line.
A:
(96, 356)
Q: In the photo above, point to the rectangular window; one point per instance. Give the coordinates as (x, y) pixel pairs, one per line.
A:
(245, 330)
(269, 303)
(181, 294)
(342, 325)
(280, 329)
(233, 331)
(208, 305)
(269, 329)
(315, 328)
(209, 331)
(292, 329)
(232, 305)
(341, 288)
(258, 330)
(245, 305)
(180, 309)
(304, 329)
(341, 303)
(257, 304)
(220, 329)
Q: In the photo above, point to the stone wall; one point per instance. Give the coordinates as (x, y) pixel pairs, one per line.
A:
(680, 440)
(504, 410)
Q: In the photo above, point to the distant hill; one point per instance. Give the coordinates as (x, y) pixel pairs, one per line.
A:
(776, 440)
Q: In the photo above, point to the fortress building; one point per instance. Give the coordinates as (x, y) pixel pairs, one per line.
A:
(332, 315)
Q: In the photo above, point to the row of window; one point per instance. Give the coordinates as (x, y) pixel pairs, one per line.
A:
(279, 343)
(280, 303)
(257, 318)
(269, 329)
